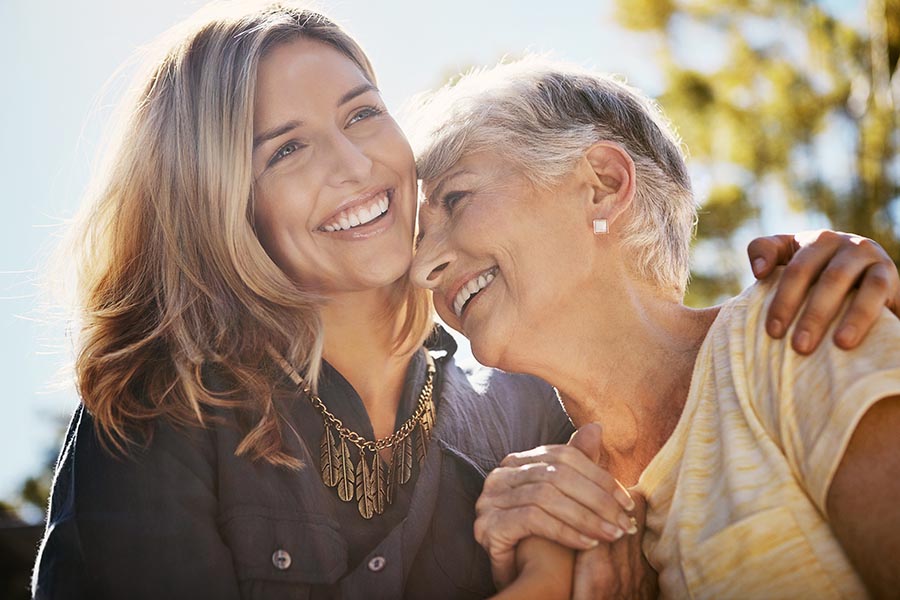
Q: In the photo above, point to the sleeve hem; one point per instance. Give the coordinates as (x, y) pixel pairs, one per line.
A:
(855, 403)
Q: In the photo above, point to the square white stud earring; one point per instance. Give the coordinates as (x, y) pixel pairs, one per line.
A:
(601, 226)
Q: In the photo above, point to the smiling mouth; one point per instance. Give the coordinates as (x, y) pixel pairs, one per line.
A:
(471, 289)
(360, 215)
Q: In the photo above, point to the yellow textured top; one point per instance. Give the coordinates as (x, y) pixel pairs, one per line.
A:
(737, 495)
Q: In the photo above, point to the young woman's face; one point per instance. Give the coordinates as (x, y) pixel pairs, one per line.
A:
(335, 182)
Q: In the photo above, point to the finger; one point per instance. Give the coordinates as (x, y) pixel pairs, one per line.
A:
(589, 440)
(576, 476)
(798, 276)
(535, 455)
(865, 308)
(500, 531)
(824, 302)
(503, 567)
(557, 456)
(767, 252)
(603, 519)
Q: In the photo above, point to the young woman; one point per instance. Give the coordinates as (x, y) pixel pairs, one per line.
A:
(268, 410)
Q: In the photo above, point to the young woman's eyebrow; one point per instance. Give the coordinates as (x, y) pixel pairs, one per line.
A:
(274, 132)
(357, 91)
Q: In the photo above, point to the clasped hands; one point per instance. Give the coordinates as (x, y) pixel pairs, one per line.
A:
(562, 493)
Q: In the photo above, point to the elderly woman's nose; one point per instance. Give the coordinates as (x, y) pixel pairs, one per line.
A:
(429, 264)
(349, 162)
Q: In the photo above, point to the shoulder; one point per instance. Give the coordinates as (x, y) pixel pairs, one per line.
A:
(495, 412)
(92, 476)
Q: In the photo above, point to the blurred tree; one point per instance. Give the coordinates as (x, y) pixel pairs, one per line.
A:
(781, 100)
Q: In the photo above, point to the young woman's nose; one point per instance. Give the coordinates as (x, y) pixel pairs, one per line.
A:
(349, 162)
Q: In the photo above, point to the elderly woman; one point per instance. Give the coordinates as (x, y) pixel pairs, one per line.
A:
(555, 236)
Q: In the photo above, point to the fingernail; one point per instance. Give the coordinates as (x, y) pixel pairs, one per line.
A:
(776, 327)
(802, 341)
(589, 542)
(846, 335)
(759, 264)
(624, 499)
(613, 531)
(627, 523)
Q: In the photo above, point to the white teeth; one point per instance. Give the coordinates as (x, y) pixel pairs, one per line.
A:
(359, 215)
(472, 287)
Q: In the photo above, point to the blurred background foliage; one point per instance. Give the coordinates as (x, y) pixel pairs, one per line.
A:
(789, 104)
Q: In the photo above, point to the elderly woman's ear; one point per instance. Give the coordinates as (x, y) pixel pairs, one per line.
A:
(610, 173)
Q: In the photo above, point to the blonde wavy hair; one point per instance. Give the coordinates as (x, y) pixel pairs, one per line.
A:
(172, 282)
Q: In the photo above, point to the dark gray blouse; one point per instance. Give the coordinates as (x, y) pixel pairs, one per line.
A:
(185, 518)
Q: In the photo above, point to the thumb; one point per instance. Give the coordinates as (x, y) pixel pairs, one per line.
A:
(768, 252)
(503, 567)
(589, 439)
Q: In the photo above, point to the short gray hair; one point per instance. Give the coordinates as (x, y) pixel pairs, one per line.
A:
(542, 116)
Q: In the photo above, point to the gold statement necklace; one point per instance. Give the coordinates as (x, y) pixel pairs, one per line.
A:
(370, 482)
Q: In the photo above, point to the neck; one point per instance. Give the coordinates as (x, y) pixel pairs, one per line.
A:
(622, 356)
(360, 334)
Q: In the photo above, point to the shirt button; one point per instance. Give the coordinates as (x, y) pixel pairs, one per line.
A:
(281, 559)
(377, 563)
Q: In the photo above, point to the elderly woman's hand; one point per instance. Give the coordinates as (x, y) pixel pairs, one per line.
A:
(825, 266)
(617, 570)
(556, 492)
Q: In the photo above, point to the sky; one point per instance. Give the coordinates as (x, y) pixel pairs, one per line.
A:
(58, 58)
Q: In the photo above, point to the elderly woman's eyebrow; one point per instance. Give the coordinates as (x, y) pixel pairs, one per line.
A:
(440, 186)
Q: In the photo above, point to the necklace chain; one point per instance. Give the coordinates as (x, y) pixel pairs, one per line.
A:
(386, 442)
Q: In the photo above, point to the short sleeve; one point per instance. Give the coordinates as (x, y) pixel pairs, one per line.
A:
(811, 405)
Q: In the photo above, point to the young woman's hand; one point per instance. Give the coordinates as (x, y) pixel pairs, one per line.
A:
(556, 492)
(824, 266)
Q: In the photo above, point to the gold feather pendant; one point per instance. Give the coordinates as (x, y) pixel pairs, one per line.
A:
(329, 458)
(365, 488)
(428, 417)
(403, 461)
(378, 475)
(390, 486)
(421, 444)
(346, 473)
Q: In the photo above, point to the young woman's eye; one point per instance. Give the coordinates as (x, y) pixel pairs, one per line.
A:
(449, 200)
(285, 151)
(365, 113)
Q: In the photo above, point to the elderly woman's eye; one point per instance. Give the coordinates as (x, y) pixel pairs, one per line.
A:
(449, 200)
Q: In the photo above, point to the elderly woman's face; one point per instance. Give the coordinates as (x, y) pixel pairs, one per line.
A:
(500, 255)
(335, 182)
